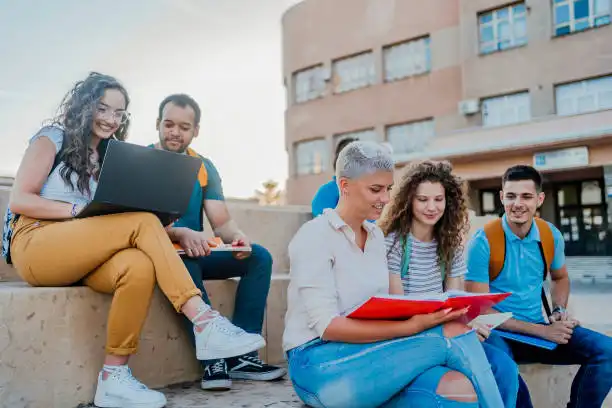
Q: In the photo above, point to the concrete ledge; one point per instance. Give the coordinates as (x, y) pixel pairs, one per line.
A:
(52, 341)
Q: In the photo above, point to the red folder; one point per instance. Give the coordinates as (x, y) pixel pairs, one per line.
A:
(394, 307)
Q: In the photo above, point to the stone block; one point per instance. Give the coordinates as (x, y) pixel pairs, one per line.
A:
(52, 341)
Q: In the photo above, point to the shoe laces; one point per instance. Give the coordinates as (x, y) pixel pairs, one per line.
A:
(124, 376)
(218, 368)
(226, 326)
(253, 359)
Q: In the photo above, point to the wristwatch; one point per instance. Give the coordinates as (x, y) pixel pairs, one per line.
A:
(559, 309)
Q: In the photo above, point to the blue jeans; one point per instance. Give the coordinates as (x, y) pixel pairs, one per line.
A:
(590, 349)
(505, 372)
(252, 293)
(395, 373)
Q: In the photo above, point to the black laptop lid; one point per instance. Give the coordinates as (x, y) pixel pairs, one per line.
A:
(142, 177)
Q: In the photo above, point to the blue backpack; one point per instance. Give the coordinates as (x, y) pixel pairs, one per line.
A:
(9, 223)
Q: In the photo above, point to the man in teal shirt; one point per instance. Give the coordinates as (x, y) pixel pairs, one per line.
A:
(178, 124)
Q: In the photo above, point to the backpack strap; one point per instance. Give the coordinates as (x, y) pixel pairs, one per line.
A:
(547, 251)
(547, 244)
(407, 245)
(202, 173)
(494, 231)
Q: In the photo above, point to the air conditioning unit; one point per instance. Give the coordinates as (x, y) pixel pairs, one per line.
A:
(469, 106)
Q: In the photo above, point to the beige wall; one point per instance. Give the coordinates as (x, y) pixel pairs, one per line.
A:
(320, 31)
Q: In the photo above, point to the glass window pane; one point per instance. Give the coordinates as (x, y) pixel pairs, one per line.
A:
(503, 31)
(601, 7)
(602, 21)
(562, 30)
(562, 14)
(518, 9)
(488, 201)
(591, 193)
(488, 48)
(486, 18)
(486, 34)
(581, 9)
(605, 100)
(581, 25)
(503, 14)
(520, 31)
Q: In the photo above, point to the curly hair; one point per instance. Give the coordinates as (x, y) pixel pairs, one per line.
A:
(450, 230)
(75, 116)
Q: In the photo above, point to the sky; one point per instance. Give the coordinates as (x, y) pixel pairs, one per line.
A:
(224, 53)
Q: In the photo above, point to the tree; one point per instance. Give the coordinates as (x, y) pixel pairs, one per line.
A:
(270, 194)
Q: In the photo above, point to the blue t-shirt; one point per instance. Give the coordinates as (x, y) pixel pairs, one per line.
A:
(194, 216)
(522, 271)
(327, 196)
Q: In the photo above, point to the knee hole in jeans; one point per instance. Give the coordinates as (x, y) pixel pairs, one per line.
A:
(456, 387)
(454, 329)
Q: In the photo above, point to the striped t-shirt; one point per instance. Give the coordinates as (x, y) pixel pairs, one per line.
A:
(424, 275)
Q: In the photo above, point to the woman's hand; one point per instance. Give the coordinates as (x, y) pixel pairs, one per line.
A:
(429, 320)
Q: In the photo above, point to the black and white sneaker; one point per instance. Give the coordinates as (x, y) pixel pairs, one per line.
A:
(215, 377)
(250, 367)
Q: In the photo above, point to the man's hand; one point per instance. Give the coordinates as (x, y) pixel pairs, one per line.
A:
(563, 317)
(194, 243)
(558, 332)
(240, 241)
(482, 330)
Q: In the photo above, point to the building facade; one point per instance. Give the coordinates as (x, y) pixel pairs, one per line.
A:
(485, 84)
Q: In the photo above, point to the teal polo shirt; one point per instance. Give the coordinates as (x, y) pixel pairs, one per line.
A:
(522, 271)
(194, 216)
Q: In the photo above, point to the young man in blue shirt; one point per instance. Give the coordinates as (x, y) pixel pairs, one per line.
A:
(178, 124)
(522, 274)
(327, 195)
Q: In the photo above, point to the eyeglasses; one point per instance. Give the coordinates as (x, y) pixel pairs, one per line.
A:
(120, 117)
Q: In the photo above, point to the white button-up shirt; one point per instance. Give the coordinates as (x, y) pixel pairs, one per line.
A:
(330, 275)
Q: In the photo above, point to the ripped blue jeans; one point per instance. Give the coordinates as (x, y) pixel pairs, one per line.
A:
(397, 373)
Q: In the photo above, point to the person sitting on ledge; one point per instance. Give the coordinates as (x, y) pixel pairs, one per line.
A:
(337, 261)
(425, 228)
(515, 254)
(178, 123)
(120, 254)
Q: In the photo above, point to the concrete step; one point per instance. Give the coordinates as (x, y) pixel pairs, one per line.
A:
(52, 341)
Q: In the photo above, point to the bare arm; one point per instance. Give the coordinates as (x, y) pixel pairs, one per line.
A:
(395, 284)
(457, 283)
(347, 330)
(560, 287)
(33, 171)
(511, 324)
(220, 220)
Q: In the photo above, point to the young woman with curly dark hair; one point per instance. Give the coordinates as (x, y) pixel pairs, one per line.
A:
(125, 255)
(425, 228)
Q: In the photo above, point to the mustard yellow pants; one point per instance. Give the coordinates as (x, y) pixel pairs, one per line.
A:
(120, 254)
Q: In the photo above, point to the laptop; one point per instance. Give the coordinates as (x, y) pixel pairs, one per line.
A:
(138, 178)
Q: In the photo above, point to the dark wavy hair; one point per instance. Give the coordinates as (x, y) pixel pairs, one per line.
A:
(451, 229)
(75, 116)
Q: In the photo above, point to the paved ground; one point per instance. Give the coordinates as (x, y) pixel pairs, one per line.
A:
(243, 395)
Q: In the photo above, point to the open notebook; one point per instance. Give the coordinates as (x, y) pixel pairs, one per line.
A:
(220, 246)
(398, 307)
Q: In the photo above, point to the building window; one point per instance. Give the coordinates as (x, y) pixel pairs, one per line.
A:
(410, 137)
(577, 15)
(407, 59)
(584, 96)
(503, 28)
(506, 110)
(311, 157)
(354, 72)
(309, 84)
(365, 134)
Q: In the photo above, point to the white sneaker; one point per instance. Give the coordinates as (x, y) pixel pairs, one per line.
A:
(221, 339)
(122, 390)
